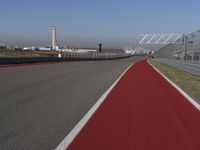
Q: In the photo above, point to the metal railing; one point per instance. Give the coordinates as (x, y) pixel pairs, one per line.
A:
(60, 56)
(189, 66)
(184, 55)
(92, 55)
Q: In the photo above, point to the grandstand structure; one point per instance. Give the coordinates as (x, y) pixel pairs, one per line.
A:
(184, 55)
(186, 50)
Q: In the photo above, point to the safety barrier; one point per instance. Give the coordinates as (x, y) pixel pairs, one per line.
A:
(188, 66)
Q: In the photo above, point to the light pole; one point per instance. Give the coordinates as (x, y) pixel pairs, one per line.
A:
(185, 38)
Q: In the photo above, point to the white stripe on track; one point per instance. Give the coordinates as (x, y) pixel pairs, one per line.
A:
(74, 132)
(191, 100)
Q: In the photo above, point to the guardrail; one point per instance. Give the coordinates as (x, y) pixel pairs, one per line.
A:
(188, 66)
(64, 57)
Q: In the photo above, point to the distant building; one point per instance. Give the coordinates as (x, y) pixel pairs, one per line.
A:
(29, 48)
(85, 50)
(3, 47)
(131, 52)
(44, 48)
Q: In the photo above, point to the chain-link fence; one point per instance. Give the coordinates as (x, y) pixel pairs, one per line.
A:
(183, 54)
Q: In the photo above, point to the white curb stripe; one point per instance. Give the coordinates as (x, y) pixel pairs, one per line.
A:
(74, 132)
(191, 100)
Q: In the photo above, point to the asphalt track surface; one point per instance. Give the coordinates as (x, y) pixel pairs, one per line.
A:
(142, 112)
(40, 104)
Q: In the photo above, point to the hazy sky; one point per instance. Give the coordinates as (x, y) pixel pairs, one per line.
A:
(116, 23)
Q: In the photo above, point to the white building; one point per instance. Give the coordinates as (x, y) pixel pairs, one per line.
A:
(85, 50)
(44, 48)
(29, 48)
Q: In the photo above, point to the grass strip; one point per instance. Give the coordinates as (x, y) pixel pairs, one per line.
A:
(187, 81)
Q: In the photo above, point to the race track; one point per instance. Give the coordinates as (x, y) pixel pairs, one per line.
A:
(142, 112)
(40, 104)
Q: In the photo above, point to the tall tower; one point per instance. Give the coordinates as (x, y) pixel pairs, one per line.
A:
(53, 38)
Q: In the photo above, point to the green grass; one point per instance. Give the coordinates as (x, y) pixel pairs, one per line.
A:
(12, 53)
(187, 81)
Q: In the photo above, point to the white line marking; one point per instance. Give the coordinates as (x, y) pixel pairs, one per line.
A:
(74, 132)
(191, 100)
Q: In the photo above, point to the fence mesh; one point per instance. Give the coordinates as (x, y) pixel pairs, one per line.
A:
(183, 55)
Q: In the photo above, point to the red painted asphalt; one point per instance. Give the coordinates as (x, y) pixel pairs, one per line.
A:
(142, 112)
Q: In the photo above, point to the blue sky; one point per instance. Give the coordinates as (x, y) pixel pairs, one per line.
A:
(116, 23)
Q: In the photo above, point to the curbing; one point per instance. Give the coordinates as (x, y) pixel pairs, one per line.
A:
(190, 99)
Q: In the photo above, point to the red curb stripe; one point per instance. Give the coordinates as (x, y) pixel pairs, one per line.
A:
(142, 112)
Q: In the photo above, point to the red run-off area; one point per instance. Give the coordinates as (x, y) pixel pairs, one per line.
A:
(142, 112)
